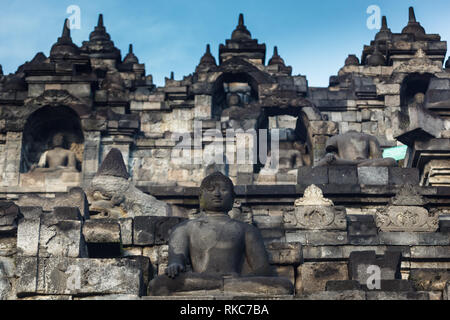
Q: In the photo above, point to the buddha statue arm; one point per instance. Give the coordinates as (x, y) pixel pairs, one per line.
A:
(256, 253)
(72, 160)
(375, 149)
(178, 251)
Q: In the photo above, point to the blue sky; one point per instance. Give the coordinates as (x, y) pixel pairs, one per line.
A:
(314, 37)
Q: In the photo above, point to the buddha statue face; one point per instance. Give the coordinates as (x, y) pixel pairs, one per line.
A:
(217, 193)
(234, 100)
(58, 140)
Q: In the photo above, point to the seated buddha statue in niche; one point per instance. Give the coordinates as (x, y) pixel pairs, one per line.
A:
(57, 158)
(204, 251)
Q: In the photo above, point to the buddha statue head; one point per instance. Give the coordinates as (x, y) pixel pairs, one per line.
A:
(234, 100)
(217, 193)
(58, 140)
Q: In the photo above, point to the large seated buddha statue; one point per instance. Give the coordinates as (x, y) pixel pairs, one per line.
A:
(355, 149)
(215, 252)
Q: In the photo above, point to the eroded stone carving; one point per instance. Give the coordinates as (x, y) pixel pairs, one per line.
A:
(113, 194)
(405, 213)
(314, 212)
(223, 254)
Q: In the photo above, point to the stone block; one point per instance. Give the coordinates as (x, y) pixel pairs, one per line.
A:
(31, 212)
(9, 217)
(143, 231)
(281, 253)
(342, 285)
(335, 296)
(326, 238)
(343, 175)
(444, 223)
(27, 272)
(362, 226)
(82, 277)
(414, 239)
(383, 295)
(102, 231)
(74, 198)
(126, 231)
(312, 175)
(61, 239)
(257, 286)
(373, 175)
(429, 279)
(402, 176)
(28, 237)
(360, 262)
(313, 276)
(67, 213)
(148, 231)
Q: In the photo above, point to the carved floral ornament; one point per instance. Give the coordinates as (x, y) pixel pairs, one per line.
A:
(420, 64)
(314, 212)
(406, 218)
(405, 213)
(313, 196)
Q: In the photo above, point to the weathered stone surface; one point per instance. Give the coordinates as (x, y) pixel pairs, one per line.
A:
(382, 295)
(27, 272)
(343, 175)
(360, 263)
(258, 286)
(285, 253)
(444, 223)
(406, 218)
(76, 198)
(126, 231)
(313, 276)
(373, 176)
(113, 165)
(28, 237)
(343, 285)
(312, 175)
(153, 230)
(429, 279)
(68, 276)
(414, 239)
(362, 230)
(67, 213)
(333, 295)
(402, 176)
(31, 212)
(61, 239)
(5, 285)
(9, 216)
(102, 231)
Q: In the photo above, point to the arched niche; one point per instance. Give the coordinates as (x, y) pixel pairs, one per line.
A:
(411, 85)
(296, 123)
(40, 128)
(240, 83)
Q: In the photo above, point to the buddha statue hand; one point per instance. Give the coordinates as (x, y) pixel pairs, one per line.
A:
(174, 270)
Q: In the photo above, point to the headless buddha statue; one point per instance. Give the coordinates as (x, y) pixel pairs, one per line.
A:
(355, 149)
(57, 158)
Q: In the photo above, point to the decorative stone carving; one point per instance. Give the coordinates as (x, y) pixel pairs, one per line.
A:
(113, 194)
(314, 212)
(405, 213)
